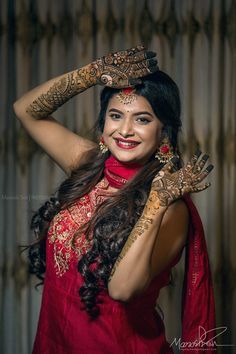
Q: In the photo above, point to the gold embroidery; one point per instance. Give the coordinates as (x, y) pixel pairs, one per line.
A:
(116, 178)
(66, 223)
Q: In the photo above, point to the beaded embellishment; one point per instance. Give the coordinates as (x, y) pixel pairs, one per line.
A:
(127, 95)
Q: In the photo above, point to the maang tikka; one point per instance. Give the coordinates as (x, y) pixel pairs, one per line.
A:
(103, 146)
(127, 95)
(165, 151)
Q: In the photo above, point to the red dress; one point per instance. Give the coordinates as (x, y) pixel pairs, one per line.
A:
(121, 328)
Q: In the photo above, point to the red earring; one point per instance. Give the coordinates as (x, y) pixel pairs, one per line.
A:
(165, 151)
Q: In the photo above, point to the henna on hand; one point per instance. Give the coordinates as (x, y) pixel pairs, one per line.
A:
(124, 68)
(144, 223)
(172, 185)
(119, 69)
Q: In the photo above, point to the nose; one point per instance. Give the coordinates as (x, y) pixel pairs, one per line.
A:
(126, 127)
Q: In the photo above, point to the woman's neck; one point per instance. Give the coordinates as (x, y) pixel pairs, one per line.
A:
(118, 173)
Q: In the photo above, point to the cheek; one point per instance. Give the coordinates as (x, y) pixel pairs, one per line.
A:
(106, 129)
(157, 133)
(109, 126)
(152, 136)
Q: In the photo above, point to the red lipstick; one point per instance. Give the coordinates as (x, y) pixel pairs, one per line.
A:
(126, 143)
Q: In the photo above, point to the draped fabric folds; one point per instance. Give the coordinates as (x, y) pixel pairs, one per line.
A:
(198, 305)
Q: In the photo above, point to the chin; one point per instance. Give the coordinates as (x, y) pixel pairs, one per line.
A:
(130, 156)
(124, 157)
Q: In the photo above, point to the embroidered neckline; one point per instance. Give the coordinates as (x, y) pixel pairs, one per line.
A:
(102, 188)
(66, 223)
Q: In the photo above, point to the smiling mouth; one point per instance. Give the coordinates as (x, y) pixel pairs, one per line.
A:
(126, 144)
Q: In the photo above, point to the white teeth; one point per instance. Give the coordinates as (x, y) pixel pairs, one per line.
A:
(126, 144)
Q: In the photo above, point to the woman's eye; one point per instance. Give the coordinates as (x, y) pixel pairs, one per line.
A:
(115, 116)
(143, 120)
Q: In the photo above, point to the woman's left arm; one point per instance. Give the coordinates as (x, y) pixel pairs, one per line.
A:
(160, 233)
(154, 242)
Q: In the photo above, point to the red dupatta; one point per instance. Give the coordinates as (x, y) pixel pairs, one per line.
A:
(198, 307)
(118, 173)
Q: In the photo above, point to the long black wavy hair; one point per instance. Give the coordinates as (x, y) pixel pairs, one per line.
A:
(115, 217)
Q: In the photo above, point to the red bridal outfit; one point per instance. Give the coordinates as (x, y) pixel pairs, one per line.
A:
(134, 327)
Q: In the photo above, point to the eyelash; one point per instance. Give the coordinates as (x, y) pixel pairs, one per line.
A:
(114, 116)
(142, 120)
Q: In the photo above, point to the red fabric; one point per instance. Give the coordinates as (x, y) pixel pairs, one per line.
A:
(118, 173)
(121, 328)
(198, 307)
(64, 328)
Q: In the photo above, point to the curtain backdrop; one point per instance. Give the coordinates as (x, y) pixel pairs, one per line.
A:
(196, 45)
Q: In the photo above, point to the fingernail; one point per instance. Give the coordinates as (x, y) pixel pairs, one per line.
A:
(209, 168)
(198, 152)
(152, 62)
(153, 69)
(205, 157)
(150, 54)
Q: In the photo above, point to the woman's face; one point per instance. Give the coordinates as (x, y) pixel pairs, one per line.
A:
(131, 131)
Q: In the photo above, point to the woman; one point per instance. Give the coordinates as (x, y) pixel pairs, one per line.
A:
(107, 242)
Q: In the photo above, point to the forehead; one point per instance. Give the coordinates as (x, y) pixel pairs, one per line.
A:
(140, 103)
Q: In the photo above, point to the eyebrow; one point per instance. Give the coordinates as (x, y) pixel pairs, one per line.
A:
(136, 114)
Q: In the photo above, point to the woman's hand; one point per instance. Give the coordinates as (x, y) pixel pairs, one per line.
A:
(124, 68)
(172, 185)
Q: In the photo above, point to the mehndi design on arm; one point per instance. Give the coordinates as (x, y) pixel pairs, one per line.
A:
(143, 224)
(118, 70)
(67, 87)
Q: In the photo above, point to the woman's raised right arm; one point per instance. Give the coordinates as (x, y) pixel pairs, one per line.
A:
(34, 109)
